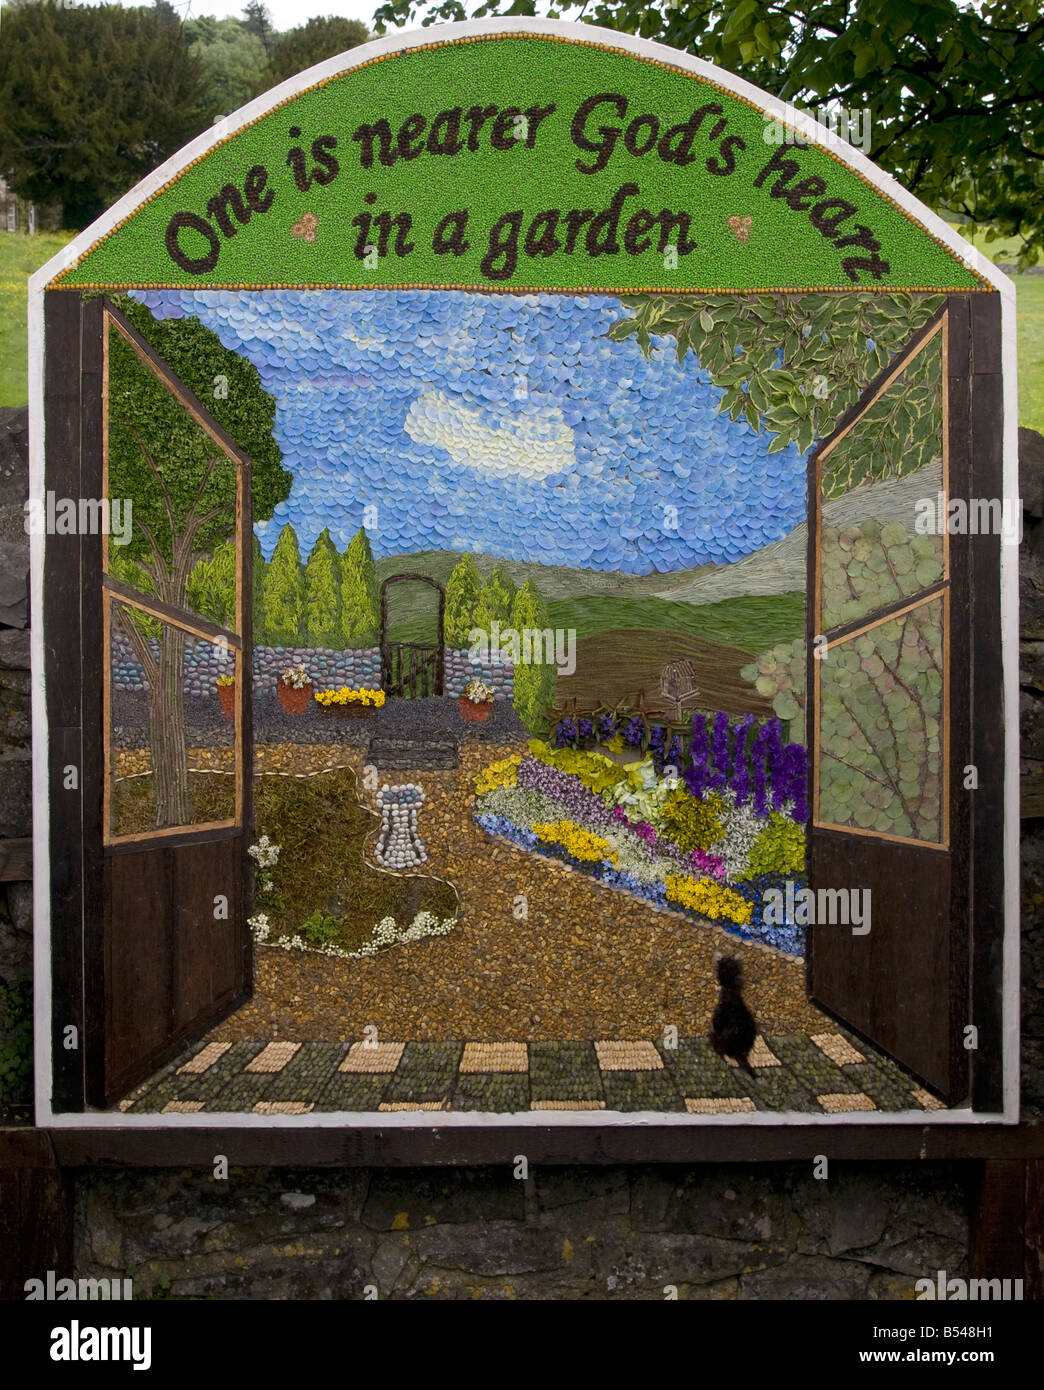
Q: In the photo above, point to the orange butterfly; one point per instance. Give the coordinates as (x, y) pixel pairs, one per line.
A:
(305, 229)
(740, 226)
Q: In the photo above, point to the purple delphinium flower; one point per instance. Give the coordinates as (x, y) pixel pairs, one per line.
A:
(585, 728)
(634, 732)
(606, 727)
(740, 776)
(657, 745)
(794, 773)
(673, 756)
(565, 734)
(720, 751)
(775, 763)
(757, 760)
(696, 772)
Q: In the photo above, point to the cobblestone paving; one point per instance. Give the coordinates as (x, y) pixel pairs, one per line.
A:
(830, 1073)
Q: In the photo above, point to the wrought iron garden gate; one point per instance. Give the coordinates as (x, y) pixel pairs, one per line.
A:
(412, 670)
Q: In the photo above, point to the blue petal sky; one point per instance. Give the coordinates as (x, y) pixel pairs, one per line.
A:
(502, 424)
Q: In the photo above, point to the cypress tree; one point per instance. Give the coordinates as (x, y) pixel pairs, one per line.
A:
(462, 596)
(283, 592)
(534, 684)
(495, 600)
(360, 618)
(322, 594)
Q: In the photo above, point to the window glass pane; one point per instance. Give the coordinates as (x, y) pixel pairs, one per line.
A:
(171, 754)
(172, 491)
(881, 755)
(883, 497)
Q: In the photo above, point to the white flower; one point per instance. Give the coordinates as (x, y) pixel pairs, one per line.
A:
(264, 853)
(260, 926)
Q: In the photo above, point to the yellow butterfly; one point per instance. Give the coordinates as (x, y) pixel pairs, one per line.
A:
(740, 226)
(305, 229)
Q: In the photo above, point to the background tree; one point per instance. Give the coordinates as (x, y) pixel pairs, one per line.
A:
(233, 61)
(183, 491)
(211, 589)
(258, 21)
(283, 592)
(360, 594)
(299, 48)
(91, 99)
(534, 684)
(462, 596)
(495, 600)
(955, 88)
(322, 594)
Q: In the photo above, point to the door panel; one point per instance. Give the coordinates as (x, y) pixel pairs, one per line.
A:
(881, 671)
(173, 603)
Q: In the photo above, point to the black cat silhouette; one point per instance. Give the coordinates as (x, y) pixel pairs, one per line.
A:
(733, 1029)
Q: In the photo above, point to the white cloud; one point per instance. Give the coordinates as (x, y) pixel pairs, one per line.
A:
(532, 445)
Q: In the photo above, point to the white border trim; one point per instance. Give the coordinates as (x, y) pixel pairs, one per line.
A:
(229, 125)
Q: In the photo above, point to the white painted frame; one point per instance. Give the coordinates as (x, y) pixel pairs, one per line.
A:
(815, 134)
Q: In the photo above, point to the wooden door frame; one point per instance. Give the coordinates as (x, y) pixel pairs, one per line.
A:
(974, 403)
(74, 666)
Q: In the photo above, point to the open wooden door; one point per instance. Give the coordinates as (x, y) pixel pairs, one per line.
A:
(166, 788)
(902, 617)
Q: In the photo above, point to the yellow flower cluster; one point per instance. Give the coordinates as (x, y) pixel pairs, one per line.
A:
(500, 774)
(347, 696)
(708, 898)
(225, 680)
(580, 843)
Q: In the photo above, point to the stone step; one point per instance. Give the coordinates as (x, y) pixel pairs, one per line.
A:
(402, 754)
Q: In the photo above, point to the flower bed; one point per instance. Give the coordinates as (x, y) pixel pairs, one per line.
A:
(711, 853)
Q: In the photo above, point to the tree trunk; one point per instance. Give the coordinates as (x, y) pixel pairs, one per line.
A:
(169, 755)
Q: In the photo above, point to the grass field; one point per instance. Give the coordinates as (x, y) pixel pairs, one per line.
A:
(752, 624)
(20, 255)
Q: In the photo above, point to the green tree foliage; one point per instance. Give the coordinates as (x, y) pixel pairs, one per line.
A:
(462, 596)
(300, 48)
(283, 592)
(954, 86)
(91, 99)
(360, 595)
(233, 60)
(258, 22)
(825, 366)
(258, 568)
(182, 489)
(211, 588)
(322, 594)
(495, 600)
(534, 684)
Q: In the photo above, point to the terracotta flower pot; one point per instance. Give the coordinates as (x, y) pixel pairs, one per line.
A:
(474, 711)
(227, 696)
(294, 701)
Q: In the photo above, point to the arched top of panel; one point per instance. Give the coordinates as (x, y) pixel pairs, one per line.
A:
(519, 155)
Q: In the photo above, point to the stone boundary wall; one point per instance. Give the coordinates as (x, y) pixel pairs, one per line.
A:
(328, 668)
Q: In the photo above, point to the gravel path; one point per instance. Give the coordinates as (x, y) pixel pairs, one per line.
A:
(588, 962)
